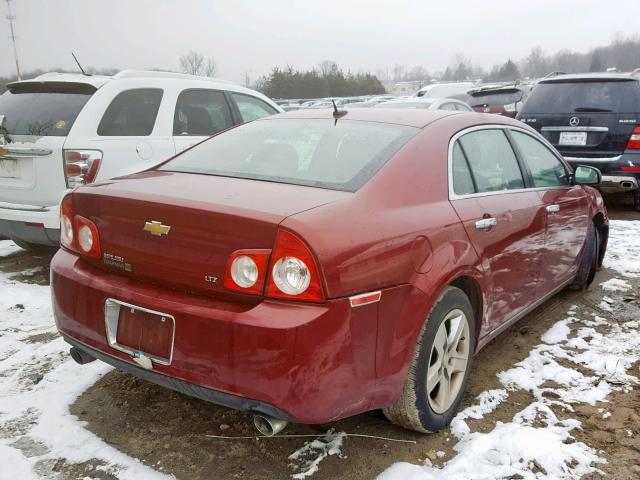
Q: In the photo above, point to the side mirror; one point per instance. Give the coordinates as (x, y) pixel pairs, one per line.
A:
(584, 175)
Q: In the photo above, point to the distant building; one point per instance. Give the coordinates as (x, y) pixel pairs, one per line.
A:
(404, 88)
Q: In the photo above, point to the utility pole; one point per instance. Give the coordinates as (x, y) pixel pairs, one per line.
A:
(11, 18)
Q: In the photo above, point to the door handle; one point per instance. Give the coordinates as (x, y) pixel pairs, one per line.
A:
(553, 208)
(486, 223)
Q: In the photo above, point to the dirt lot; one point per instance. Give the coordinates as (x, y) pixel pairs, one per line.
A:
(168, 431)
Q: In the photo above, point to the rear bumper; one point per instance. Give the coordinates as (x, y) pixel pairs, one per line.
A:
(614, 178)
(618, 184)
(186, 388)
(40, 225)
(310, 363)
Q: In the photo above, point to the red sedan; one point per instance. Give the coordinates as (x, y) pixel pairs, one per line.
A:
(315, 265)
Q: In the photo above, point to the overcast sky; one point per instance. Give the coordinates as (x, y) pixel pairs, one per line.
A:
(253, 36)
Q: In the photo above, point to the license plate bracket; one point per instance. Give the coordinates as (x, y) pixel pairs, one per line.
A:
(576, 139)
(140, 332)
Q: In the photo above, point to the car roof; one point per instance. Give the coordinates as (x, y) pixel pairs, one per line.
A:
(418, 118)
(585, 77)
(99, 80)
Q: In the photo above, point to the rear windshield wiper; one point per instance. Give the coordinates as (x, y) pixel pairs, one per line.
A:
(592, 109)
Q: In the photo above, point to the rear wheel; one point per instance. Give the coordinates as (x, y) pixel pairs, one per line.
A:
(441, 363)
(589, 260)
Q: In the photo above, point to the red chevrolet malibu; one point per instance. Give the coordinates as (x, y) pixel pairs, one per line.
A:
(314, 265)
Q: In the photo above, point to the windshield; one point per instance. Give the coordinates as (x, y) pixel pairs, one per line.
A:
(340, 155)
(571, 97)
(495, 98)
(43, 109)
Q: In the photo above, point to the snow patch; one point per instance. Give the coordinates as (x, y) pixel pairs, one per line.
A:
(623, 248)
(616, 285)
(306, 460)
(7, 247)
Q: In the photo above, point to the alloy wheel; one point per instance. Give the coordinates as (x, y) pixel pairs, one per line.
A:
(448, 361)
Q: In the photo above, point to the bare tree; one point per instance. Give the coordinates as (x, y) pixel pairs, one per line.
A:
(191, 63)
(327, 67)
(194, 63)
(210, 68)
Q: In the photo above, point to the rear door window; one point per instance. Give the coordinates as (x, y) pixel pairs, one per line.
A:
(201, 113)
(493, 163)
(546, 169)
(252, 108)
(43, 109)
(132, 113)
(576, 97)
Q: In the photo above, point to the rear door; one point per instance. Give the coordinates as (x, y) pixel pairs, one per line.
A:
(129, 133)
(200, 113)
(504, 219)
(585, 119)
(566, 207)
(37, 119)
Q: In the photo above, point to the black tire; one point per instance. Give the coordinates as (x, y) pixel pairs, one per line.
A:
(589, 260)
(34, 247)
(414, 409)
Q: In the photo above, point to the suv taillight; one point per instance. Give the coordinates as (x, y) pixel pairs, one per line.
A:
(81, 166)
(634, 141)
(78, 233)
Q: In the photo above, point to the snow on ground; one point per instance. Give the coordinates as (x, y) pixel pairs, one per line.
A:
(38, 382)
(7, 247)
(623, 249)
(305, 461)
(583, 358)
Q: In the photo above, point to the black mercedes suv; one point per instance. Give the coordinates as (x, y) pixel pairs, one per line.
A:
(592, 119)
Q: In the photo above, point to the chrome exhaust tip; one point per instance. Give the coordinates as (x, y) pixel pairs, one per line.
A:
(268, 426)
(626, 185)
(80, 356)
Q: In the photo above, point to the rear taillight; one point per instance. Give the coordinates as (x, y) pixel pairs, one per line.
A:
(81, 166)
(78, 233)
(634, 141)
(247, 270)
(294, 273)
(67, 235)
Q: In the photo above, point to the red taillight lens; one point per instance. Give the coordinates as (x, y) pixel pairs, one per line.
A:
(634, 141)
(294, 273)
(81, 166)
(77, 233)
(247, 270)
(67, 235)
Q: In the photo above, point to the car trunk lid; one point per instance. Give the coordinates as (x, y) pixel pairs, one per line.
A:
(179, 229)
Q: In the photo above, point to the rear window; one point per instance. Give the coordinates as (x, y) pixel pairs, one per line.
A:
(44, 109)
(496, 98)
(340, 155)
(570, 97)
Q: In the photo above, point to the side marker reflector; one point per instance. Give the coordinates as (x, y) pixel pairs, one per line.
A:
(365, 299)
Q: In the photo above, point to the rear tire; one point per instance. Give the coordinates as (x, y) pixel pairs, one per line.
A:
(589, 260)
(441, 363)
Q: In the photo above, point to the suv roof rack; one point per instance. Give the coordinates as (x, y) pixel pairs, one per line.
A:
(162, 74)
(636, 72)
(554, 74)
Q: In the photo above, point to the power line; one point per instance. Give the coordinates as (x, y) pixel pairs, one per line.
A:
(13, 37)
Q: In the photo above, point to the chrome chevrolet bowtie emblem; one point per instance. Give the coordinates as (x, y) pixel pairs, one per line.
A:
(156, 228)
(574, 121)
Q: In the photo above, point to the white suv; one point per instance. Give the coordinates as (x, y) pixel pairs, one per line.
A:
(58, 131)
